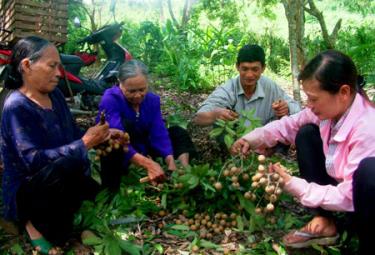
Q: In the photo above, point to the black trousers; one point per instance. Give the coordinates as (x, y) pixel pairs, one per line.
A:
(112, 167)
(311, 161)
(50, 198)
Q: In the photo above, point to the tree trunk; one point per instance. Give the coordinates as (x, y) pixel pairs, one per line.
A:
(161, 11)
(294, 15)
(174, 20)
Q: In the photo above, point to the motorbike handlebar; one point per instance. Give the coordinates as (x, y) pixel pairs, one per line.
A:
(105, 33)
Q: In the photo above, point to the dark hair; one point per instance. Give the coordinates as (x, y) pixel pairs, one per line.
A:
(31, 47)
(132, 69)
(332, 69)
(251, 53)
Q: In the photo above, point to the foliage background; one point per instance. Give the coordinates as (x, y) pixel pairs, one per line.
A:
(198, 53)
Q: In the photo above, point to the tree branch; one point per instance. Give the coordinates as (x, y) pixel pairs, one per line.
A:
(319, 16)
(330, 39)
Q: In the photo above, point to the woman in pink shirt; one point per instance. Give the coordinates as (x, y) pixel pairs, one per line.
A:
(335, 138)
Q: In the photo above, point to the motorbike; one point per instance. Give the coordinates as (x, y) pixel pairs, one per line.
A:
(71, 82)
(116, 55)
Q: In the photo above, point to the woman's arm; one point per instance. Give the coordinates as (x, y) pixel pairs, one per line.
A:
(283, 130)
(28, 138)
(159, 137)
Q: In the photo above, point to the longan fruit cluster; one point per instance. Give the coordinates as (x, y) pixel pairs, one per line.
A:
(270, 185)
(235, 174)
(206, 225)
(106, 148)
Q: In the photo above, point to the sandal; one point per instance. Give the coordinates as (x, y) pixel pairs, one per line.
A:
(43, 246)
(304, 239)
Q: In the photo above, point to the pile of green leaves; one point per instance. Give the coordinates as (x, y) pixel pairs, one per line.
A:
(230, 131)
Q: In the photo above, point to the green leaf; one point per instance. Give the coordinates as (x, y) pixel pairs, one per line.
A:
(220, 122)
(92, 240)
(320, 249)
(112, 248)
(159, 248)
(240, 224)
(130, 247)
(209, 245)
(180, 227)
(228, 140)
(193, 182)
(216, 132)
(17, 249)
(230, 131)
(164, 200)
(246, 204)
(208, 186)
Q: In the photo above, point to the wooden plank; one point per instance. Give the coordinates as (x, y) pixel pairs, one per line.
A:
(51, 37)
(43, 6)
(9, 8)
(36, 12)
(55, 21)
(42, 27)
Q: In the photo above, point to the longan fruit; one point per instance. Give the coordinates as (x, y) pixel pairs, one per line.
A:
(234, 179)
(162, 213)
(195, 248)
(218, 186)
(245, 177)
(247, 195)
(261, 159)
(261, 168)
(270, 207)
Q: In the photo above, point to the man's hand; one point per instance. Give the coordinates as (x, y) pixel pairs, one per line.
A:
(280, 107)
(225, 114)
(241, 146)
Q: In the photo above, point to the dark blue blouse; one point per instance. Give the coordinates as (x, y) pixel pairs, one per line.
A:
(146, 129)
(33, 137)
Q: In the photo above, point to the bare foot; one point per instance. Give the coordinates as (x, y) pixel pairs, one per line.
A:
(34, 235)
(319, 226)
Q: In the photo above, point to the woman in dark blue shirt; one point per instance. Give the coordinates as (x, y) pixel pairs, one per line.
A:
(46, 170)
(132, 108)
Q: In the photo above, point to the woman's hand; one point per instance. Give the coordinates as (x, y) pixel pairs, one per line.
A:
(154, 170)
(171, 164)
(240, 146)
(96, 135)
(281, 170)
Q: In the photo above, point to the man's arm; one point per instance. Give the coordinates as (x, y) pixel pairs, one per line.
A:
(208, 118)
(216, 106)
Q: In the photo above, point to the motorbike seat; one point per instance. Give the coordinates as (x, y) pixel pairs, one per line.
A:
(72, 63)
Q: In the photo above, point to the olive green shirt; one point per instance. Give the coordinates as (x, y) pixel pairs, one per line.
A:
(231, 96)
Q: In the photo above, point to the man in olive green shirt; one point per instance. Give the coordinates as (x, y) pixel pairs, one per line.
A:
(249, 90)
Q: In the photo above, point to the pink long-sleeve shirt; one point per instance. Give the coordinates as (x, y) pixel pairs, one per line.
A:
(355, 141)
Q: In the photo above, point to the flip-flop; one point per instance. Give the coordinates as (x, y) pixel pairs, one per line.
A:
(310, 239)
(42, 245)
